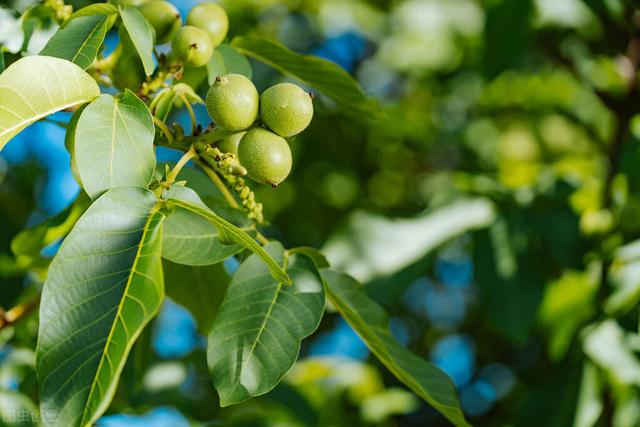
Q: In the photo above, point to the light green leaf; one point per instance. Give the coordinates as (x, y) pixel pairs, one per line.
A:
(624, 276)
(256, 337)
(238, 235)
(103, 287)
(79, 41)
(17, 409)
(590, 398)
(198, 289)
(227, 60)
(608, 346)
(114, 144)
(370, 321)
(37, 86)
(107, 9)
(325, 76)
(142, 35)
(189, 238)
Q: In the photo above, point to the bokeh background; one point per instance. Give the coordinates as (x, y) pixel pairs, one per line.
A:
(492, 210)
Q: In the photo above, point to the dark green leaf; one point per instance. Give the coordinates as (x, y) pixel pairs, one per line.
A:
(370, 321)
(238, 235)
(198, 289)
(316, 256)
(256, 337)
(325, 76)
(103, 287)
(79, 41)
(189, 238)
(114, 144)
(1, 58)
(227, 60)
(32, 240)
(142, 35)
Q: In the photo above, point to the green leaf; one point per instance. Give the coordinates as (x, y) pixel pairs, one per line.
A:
(325, 76)
(113, 144)
(316, 256)
(103, 287)
(1, 59)
(227, 60)
(142, 35)
(36, 86)
(17, 409)
(238, 235)
(370, 321)
(590, 398)
(107, 9)
(198, 289)
(32, 240)
(79, 41)
(189, 238)
(256, 337)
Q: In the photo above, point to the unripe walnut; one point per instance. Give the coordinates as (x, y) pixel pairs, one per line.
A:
(286, 109)
(211, 18)
(265, 155)
(232, 102)
(191, 46)
(230, 143)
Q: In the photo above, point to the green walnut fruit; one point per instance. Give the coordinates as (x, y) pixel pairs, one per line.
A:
(230, 143)
(163, 17)
(265, 155)
(191, 46)
(232, 102)
(286, 109)
(211, 18)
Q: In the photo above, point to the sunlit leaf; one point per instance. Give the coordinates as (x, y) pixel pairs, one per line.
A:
(104, 285)
(370, 321)
(107, 9)
(113, 144)
(79, 41)
(590, 398)
(256, 336)
(37, 86)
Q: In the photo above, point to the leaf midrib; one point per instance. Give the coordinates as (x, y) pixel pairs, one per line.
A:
(89, 36)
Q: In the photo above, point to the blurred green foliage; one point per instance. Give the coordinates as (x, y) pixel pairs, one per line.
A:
(527, 112)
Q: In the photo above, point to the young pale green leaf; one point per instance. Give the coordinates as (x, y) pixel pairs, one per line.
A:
(370, 321)
(238, 235)
(256, 336)
(103, 287)
(190, 238)
(198, 289)
(113, 144)
(79, 41)
(106, 9)
(325, 76)
(142, 35)
(227, 60)
(37, 86)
